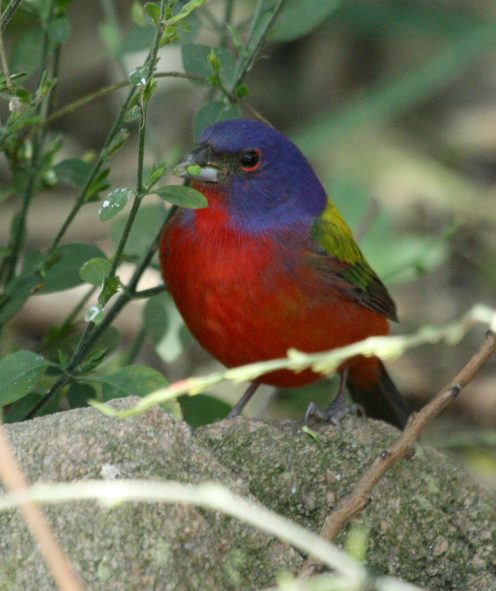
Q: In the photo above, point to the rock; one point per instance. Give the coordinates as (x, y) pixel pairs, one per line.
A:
(427, 523)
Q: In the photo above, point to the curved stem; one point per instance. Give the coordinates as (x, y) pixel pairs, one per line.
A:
(93, 332)
(9, 264)
(256, 38)
(8, 13)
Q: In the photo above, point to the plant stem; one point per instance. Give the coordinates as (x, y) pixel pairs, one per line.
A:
(52, 339)
(88, 98)
(96, 169)
(8, 13)
(228, 14)
(148, 293)
(5, 64)
(92, 332)
(256, 38)
(9, 264)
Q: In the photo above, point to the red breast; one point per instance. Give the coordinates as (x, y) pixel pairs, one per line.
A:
(250, 298)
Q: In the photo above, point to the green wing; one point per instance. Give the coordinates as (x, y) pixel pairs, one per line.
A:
(337, 255)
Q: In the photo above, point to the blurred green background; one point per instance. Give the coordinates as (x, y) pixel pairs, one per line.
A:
(394, 103)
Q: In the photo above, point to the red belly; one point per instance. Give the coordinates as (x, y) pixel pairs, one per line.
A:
(246, 301)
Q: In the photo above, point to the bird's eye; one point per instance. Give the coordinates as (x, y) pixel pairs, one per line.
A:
(250, 161)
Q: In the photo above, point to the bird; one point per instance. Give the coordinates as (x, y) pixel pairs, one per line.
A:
(270, 264)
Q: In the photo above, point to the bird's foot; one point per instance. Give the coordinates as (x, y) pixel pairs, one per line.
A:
(334, 414)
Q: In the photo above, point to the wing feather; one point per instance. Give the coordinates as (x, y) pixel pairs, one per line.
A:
(337, 255)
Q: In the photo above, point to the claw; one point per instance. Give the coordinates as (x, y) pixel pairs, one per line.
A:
(338, 408)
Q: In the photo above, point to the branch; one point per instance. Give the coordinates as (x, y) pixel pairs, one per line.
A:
(403, 448)
(56, 560)
(326, 363)
(8, 13)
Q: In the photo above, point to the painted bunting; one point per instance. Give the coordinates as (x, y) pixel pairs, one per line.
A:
(270, 264)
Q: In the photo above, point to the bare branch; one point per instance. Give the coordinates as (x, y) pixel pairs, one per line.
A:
(404, 447)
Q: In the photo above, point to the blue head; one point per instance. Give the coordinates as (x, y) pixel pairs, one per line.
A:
(263, 177)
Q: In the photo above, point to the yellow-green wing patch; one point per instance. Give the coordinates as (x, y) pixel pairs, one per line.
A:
(339, 257)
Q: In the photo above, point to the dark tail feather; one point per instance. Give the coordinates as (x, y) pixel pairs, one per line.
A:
(382, 400)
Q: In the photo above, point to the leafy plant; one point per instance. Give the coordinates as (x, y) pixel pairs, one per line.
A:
(74, 360)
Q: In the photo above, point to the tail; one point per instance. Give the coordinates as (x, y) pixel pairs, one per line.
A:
(378, 396)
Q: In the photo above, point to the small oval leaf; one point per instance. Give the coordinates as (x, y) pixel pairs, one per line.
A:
(64, 270)
(95, 270)
(137, 380)
(19, 373)
(113, 203)
(182, 196)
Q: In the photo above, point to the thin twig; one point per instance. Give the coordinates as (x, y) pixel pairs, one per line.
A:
(91, 335)
(226, 21)
(254, 44)
(9, 264)
(403, 448)
(88, 98)
(55, 558)
(5, 64)
(8, 13)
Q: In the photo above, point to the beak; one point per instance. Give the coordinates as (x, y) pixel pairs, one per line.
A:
(200, 165)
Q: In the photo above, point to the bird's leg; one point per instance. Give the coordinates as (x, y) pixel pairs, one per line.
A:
(243, 401)
(338, 407)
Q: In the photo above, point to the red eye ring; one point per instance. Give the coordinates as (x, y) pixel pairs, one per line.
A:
(251, 160)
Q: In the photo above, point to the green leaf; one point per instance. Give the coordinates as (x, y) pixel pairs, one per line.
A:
(135, 380)
(156, 173)
(211, 113)
(299, 17)
(314, 435)
(18, 292)
(19, 373)
(198, 59)
(79, 394)
(155, 318)
(202, 410)
(73, 172)
(13, 78)
(138, 14)
(59, 30)
(117, 142)
(110, 288)
(95, 270)
(182, 196)
(186, 10)
(26, 53)
(152, 11)
(44, 88)
(67, 260)
(98, 184)
(147, 223)
(16, 411)
(113, 203)
(133, 114)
